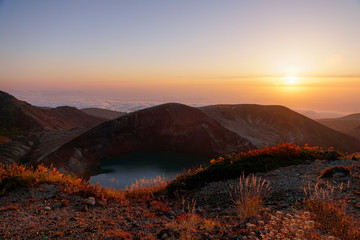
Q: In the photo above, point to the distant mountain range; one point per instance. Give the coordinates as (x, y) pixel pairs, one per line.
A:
(76, 140)
(319, 115)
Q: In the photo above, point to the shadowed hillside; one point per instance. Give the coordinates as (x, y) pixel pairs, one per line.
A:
(168, 127)
(28, 133)
(16, 115)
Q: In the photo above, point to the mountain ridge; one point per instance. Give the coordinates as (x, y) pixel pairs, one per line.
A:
(167, 127)
(278, 124)
(210, 130)
(76, 142)
(349, 124)
(20, 115)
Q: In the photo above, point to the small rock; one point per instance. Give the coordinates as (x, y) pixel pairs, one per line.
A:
(47, 208)
(90, 201)
(339, 175)
(250, 225)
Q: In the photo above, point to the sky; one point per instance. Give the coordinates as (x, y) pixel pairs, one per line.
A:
(301, 54)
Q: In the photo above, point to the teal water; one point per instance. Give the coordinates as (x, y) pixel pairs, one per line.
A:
(121, 171)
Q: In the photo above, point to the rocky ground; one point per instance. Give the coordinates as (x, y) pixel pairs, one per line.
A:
(46, 211)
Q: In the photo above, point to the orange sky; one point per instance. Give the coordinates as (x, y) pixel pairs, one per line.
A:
(209, 51)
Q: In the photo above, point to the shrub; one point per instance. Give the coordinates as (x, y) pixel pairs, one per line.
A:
(259, 160)
(249, 195)
(329, 172)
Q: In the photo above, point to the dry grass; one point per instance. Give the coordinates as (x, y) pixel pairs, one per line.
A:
(144, 189)
(325, 215)
(21, 175)
(329, 212)
(190, 223)
(290, 226)
(249, 195)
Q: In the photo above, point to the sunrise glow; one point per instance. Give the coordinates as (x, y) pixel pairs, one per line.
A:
(291, 80)
(182, 51)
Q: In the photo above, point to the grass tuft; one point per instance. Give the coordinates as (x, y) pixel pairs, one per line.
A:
(144, 189)
(249, 196)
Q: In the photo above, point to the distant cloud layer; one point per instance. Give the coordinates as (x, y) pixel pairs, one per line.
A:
(80, 100)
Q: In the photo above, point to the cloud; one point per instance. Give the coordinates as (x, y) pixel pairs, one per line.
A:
(78, 100)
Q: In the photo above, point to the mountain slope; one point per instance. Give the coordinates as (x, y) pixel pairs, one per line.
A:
(270, 125)
(16, 115)
(29, 133)
(102, 113)
(167, 127)
(349, 124)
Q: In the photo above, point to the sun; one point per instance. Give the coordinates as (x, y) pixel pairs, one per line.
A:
(290, 80)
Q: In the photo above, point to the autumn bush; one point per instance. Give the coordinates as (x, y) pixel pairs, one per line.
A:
(259, 160)
(22, 176)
